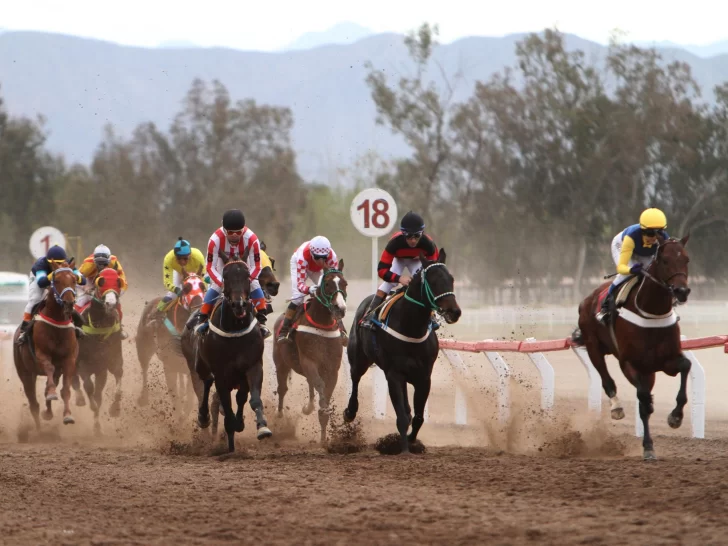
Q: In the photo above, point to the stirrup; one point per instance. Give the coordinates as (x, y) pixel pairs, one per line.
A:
(265, 331)
(21, 339)
(202, 327)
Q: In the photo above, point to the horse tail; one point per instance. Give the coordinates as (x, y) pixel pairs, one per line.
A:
(146, 344)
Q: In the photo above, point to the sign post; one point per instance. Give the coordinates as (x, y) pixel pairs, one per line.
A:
(45, 237)
(373, 213)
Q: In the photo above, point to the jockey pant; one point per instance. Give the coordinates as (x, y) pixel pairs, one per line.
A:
(413, 265)
(213, 293)
(616, 251)
(35, 294)
(297, 296)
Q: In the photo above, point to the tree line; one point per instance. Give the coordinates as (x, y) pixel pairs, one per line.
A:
(528, 179)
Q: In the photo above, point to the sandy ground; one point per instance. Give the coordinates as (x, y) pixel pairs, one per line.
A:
(567, 478)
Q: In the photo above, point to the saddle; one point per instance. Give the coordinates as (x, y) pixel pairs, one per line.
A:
(623, 292)
(386, 307)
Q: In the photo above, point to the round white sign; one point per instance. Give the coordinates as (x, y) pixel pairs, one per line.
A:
(44, 238)
(373, 212)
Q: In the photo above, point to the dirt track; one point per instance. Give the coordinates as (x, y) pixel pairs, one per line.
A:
(150, 479)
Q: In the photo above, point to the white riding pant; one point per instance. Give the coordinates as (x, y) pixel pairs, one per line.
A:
(297, 296)
(635, 259)
(413, 265)
(35, 294)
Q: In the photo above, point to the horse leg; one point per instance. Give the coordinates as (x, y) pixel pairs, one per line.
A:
(117, 370)
(645, 382)
(397, 395)
(203, 410)
(325, 401)
(240, 398)
(358, 366)
(88, 386)
(283, 371)
(308, 408)
(50, 370)
(69, 371)
(229, 421)
(29, 388)
(80, 400)
(407, 408)
(144, 395)
(170, 380)
(422, 393)
(254, 376)
(215, 410)
(676, 416)
(608, 384)
(102, 376)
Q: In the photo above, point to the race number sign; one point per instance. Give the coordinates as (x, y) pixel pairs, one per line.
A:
(44, 238)
(373, 212)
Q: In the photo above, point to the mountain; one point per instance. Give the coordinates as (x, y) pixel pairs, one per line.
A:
(177, 44)
(341, 33)
(81, 84)
(705, 51)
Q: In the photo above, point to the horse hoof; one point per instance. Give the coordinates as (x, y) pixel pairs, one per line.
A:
(673, 421)
(143, 400)
(307, 410)
(617, 414)
(47, 415)
(264, 432)
(51, 397)
(69, 420)
(203, 422)
(650, 455)
(80, 401)
(348, 416)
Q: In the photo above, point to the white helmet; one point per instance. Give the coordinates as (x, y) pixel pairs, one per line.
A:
(320, 246)
(102, 255)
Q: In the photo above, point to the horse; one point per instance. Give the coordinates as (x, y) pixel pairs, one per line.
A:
(643, 334)
(162, 337)
(51, 347)
(230, 353)
(99, 351)
(404, 346)
(316, 349)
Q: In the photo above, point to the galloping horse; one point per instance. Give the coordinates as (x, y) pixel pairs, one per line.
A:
(230, 353)
(52, 347)
(316, 350)
(163, 338)
(99, 351)
(644, 335)
(404, 345)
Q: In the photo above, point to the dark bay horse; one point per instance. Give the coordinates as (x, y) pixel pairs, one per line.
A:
(405, 348)
(643, 335)
(162, 337)
(315, 350)
(99, 351)
(230, 353)
(51, 347)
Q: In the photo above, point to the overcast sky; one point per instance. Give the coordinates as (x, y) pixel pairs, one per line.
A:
(270, 25)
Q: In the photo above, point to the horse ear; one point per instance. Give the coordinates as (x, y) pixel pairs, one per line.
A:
(341, 264)
(685, 239)
(224, 257)
(187, 288)
(423, 259)
(441, 256)
(272, 263)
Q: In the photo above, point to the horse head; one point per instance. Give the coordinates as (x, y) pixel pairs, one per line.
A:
(63, 287)
(670, 266)
(193, 291)
(332, 291)
(435, 287)
(108, 289)
(236, 284)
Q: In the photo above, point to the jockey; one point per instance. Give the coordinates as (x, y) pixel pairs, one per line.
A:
(101, 259)
(234, 239)
(182, 256)
(39, 281)
(309, 260)
(632, 250)
(402, 251)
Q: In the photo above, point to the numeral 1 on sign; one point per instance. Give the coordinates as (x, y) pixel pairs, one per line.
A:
(47, 241)
(380, 218)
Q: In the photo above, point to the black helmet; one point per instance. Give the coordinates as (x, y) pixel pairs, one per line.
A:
(233, 220)
(412, 223)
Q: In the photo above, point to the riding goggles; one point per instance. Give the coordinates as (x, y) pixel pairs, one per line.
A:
(412, 234)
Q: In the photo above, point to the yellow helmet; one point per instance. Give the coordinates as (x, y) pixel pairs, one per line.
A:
(653, 219)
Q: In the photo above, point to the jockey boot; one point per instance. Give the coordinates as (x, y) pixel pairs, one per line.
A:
(194, 319)
(369, 314)
(287, 323)
(262, 318)
(603, 315)
(23, 331)
(342, 331)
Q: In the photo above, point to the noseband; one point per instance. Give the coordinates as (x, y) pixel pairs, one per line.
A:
(59, 296)
(426, 291)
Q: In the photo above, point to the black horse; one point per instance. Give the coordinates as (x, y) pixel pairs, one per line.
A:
(230, 353)
(404, 347)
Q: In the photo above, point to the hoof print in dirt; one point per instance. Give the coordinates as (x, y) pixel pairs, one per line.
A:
(391, 445)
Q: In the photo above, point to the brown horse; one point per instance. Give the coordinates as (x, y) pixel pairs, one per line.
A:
(162, 337)
(99, 351)
(51, 348)
(316, 350)
(643, 335)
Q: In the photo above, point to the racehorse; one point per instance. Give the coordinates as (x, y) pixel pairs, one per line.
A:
(51, 348)
(162, 337)
(230, 353)
(643, 335)
(99, 351)
(316, 349)
(404, 346)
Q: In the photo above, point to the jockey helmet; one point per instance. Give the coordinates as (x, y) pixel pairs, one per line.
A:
(56, 253)
(320, 247)
(102, 256)
(412, 223)
(653, 219)
(233, 220)
(182, 248)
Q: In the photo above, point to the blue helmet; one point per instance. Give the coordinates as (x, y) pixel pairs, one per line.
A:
(182, 248)
(56, 253)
